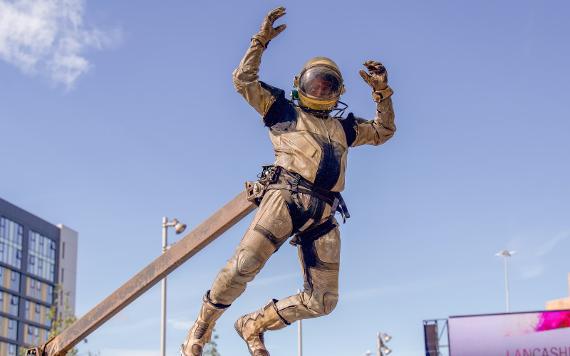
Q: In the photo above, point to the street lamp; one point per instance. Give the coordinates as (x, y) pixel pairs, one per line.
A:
(178, 228)
(300, 336)
(506, 254)
(383, 350)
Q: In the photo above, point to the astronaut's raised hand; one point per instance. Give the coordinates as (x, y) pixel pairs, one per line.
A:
(376, 77)
(267, 32)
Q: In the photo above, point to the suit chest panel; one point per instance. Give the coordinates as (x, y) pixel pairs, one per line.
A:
(325, 129)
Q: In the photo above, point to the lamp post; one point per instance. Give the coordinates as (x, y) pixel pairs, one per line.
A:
(383, 338)
(506, 254)
(300, 345)
(178, 228)
(300, 336)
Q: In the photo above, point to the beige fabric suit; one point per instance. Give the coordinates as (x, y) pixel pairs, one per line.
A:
(316, 148)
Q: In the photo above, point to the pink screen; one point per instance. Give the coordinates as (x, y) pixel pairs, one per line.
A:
(517, 334)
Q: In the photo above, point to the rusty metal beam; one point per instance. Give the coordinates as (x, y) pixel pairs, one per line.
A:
(179, 253)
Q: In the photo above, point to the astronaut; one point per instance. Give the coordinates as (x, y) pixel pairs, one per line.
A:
(301, 190)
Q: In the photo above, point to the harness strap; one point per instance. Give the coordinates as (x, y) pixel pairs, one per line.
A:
(308, 236)
(306, 243)
(295, 183)
(297, 218)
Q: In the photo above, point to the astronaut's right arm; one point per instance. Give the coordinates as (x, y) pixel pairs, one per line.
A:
(246, 75)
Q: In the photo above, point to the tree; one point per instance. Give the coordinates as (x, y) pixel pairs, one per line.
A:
(62, 320)
(211, 348)
(59, 321)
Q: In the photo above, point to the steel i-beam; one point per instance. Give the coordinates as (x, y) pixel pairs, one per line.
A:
(188, 246)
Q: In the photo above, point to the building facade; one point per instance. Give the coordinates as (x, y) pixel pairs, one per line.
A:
(38, 263)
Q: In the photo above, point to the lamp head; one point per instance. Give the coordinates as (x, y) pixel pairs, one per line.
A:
(179, 227)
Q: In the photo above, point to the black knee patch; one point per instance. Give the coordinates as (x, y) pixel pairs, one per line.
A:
(269, 236)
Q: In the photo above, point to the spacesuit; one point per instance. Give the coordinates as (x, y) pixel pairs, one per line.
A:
(301, 190)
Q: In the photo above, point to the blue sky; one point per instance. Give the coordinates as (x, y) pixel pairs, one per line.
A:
(114, 114)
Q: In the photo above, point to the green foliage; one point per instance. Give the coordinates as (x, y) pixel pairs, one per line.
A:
(211, 348)
(59, 321)
(62, 320)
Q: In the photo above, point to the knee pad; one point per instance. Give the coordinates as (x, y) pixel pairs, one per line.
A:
(322, 304)
(248, 263)
(329, 302)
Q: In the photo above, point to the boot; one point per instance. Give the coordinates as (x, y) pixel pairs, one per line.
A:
(251, 327)
(201, 331)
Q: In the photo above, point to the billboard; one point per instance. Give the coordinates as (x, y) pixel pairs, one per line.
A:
(543, 333)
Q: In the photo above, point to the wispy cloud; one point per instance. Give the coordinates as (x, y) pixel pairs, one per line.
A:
(551, 244)
(179, 324)
(49, 37)
(533, 264)
(532, 270)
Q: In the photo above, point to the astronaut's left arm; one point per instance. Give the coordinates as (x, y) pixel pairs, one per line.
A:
(382, 128)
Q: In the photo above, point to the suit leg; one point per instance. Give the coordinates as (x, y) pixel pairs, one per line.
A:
(320, 263)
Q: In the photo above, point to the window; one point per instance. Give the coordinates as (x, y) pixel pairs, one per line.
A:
(14, 302)
(7, 349)
(11, 235)
(8, 328)
(9, 303)
(49, 298)
(42, 256)
(10, 279)
(39, 290)
(37, 313)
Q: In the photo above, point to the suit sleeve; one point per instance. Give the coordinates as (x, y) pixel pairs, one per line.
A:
(246, 79)
(372, 132)
(278, 113)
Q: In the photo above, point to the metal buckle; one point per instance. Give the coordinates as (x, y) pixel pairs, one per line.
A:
(268, 175)
(36, 351)
(254, 191)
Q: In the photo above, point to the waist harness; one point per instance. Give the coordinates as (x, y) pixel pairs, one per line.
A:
(291, 184)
